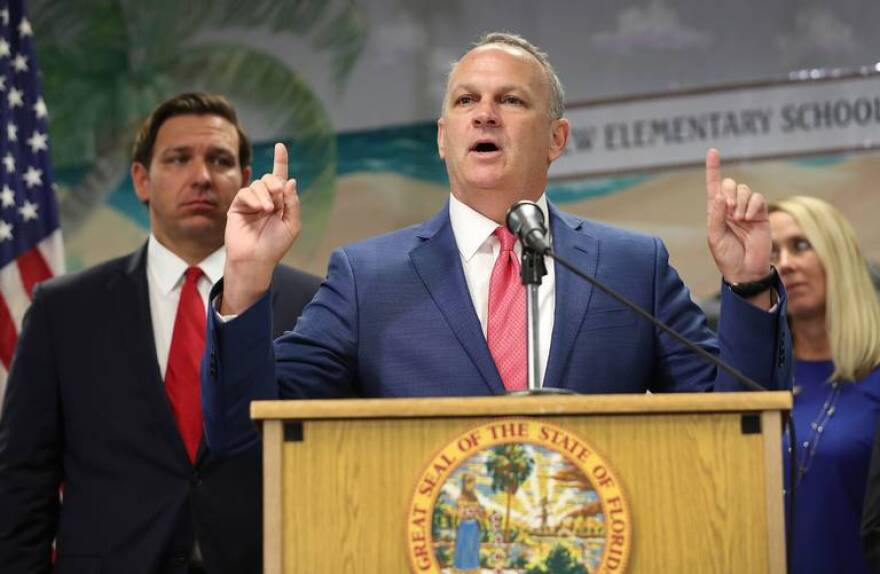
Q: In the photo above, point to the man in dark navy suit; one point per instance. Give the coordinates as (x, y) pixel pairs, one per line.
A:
(425, 311)
(103, 389)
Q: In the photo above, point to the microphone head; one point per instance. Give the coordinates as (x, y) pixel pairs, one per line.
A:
(523, 213)
(526, 220)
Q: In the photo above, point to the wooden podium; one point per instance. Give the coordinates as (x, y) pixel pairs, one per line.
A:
(701, 475)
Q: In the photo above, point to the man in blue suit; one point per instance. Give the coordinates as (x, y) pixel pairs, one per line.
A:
(407, 314)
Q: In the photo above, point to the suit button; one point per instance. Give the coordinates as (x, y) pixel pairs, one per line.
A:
(196, 480)
(179, 559)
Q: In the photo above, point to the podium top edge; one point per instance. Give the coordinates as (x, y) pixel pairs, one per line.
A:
(512, 406)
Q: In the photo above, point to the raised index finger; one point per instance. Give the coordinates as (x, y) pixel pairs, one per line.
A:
(713, 173)
(279, 166)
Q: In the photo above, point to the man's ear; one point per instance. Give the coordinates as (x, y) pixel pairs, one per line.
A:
(440, 148)
(558, 138)
(140, 177)
(246, 176)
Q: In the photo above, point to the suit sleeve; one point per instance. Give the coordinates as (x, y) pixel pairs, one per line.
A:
(30, 449)
(750, 339)
(242, 364)
(756, 342)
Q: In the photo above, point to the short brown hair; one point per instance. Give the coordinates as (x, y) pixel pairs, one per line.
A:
(192, 103)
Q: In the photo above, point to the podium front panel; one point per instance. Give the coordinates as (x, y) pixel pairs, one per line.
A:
(703, 489)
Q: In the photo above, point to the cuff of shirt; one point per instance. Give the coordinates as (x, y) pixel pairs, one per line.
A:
(215, 307)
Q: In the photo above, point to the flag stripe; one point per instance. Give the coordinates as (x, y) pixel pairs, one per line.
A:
(8, 334)
(17, 299)
(33, 269)
(52, 249)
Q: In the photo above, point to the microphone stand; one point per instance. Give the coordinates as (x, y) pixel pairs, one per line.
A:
(532, 269)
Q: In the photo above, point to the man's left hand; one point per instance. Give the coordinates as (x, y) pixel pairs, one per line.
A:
(738, 226)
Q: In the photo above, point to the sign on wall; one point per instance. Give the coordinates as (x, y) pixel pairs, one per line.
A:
(747, 122)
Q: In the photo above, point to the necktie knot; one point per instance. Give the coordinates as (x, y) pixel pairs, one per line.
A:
(506, 238)
(192, 275)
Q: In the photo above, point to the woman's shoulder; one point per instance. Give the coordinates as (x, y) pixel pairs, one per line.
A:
(870, 385)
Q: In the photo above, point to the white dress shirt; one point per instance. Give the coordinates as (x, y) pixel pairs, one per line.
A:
(165, 276)
(479, 249)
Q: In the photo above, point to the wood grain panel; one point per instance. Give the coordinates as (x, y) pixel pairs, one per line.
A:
(695, 484)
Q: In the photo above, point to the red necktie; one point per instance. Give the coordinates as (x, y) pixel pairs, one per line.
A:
(506, 330)
(184, 357)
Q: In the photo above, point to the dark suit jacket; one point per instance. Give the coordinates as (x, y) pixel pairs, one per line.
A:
(394, 318)
(86, 406)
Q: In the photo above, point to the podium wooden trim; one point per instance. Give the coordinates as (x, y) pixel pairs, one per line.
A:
(439, 420)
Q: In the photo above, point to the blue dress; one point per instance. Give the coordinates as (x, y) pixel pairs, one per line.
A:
(467, 544)
(833, 469)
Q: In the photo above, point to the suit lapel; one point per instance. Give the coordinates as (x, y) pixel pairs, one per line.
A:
(438, 264)
(572, 293)
(130, 295)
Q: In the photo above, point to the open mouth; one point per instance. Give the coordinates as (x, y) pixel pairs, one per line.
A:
(485, 147)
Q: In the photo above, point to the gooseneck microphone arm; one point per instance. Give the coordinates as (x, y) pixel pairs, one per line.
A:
(720, 363)
(526, 220)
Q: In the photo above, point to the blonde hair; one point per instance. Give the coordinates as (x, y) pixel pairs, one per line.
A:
(852, 311)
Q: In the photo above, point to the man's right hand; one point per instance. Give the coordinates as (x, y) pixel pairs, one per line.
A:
(261, 225)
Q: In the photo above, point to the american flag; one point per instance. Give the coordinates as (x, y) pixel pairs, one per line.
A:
(30, 235)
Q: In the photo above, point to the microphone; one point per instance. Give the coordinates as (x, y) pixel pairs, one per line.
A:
(526, 220)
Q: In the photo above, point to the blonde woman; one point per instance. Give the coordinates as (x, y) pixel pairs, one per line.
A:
(835, 323)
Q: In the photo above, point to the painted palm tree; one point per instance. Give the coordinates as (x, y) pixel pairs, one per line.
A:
(510, 466)
(106, 63)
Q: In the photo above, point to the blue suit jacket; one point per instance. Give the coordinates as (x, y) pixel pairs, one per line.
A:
(394, 318)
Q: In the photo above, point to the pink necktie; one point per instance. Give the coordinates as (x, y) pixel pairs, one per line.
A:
(506, 331)
(184, 357)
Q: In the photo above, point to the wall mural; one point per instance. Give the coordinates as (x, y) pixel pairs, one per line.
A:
(106, 63)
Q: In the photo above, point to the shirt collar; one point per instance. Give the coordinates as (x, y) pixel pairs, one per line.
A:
(167, 268)
(471, 228)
